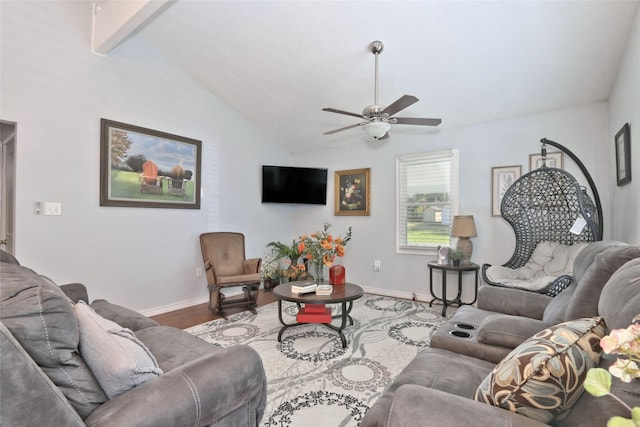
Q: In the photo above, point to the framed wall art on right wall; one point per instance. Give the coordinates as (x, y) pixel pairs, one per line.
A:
(623, 155)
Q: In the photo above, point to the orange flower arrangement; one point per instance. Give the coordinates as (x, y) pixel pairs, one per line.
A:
(321, 247)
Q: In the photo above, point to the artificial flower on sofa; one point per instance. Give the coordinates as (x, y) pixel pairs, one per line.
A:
(626, 344)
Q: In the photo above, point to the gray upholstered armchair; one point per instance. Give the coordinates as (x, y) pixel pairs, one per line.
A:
(226, 266)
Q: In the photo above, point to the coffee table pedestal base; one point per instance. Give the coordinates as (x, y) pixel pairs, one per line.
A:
(318, 313)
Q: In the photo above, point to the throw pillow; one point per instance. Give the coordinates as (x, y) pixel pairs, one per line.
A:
(542, 378)
(116, 357)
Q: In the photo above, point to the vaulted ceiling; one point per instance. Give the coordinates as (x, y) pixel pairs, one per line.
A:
(278, 63)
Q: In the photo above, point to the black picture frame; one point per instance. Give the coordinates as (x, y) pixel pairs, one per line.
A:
(623, 155)
(146, 168)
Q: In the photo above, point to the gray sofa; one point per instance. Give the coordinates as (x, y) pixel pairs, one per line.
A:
(505, 317)
(44, 379)
(439, 386)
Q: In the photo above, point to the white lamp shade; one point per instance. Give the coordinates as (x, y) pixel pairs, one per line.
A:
(376, 129)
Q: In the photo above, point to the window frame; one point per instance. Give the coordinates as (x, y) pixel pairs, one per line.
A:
(427, 157)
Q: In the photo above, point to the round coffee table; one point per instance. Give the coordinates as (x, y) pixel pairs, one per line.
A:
(342, 294)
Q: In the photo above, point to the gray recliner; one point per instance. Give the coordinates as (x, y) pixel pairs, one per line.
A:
(437, 387)
(44, 379)
(506, 317)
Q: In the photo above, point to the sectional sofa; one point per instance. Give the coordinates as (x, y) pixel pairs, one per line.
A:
(67, 363)
(491, 373)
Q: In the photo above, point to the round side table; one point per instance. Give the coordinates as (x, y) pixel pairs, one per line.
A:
(460, 269)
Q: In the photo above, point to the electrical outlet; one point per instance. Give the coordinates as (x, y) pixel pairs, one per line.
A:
(198, 272)
(52, 208)
(376, 265)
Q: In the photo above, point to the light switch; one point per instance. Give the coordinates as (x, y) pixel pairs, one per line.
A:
(52, 208)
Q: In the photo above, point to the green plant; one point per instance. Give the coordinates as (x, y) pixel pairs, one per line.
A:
(281, 250)
(626, 343)
(455, 254)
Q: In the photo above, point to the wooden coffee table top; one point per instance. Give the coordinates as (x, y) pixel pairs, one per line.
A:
(341, 293)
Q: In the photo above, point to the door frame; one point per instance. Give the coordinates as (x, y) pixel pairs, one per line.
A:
(8, 133)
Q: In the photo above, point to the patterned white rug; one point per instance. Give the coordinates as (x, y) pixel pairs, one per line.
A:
(312, 380)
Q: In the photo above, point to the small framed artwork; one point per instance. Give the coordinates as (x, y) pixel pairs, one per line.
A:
(623, 155)
(502, 178)
(352, 192)
(146, 168)
(554, 160)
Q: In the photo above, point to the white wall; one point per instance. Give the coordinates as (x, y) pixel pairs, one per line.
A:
(624, 107)
(57, 91)
(483, 146)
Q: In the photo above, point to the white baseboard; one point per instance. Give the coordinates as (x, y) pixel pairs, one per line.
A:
(185, 304)
(205, 299)
(175, 306)
(397, 294)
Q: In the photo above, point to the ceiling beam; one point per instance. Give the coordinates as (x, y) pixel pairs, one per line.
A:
(114, 21)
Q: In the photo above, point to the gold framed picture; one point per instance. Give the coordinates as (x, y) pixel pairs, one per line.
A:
(352, 192)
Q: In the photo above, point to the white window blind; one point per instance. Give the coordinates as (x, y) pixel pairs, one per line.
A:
(427, 199)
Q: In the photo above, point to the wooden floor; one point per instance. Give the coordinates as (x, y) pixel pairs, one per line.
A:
(191, 316)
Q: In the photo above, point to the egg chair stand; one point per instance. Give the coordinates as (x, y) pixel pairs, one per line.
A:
(543, 205)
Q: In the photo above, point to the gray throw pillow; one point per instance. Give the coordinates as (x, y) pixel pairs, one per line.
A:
(116, 357)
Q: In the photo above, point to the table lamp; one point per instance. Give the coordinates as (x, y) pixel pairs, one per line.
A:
(463, 228)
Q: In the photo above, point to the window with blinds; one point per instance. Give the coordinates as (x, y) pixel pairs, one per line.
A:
(427, 199)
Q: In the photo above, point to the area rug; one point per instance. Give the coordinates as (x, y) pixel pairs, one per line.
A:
(312, 380)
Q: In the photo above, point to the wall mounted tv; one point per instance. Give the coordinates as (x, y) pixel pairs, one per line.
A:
(287, 184)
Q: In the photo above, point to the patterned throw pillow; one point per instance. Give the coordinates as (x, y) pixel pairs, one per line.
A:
(542, 378)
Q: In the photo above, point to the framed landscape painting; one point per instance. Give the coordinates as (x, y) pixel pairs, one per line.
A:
(501, 179)
(147, 168)
(352, 192)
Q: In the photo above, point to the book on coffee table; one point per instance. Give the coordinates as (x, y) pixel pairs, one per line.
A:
(324, 290)
(304, 288)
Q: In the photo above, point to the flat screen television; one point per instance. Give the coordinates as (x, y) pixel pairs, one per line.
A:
(287, 184)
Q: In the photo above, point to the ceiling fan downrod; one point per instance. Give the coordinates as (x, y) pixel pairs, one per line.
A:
(376, 49)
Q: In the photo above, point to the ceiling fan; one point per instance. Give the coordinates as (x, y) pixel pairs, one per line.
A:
(378, 118)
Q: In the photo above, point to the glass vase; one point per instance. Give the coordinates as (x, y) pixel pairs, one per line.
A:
(319, 272)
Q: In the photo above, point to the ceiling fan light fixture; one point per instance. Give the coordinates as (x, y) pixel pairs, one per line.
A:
(377, 129)
(379, 118)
